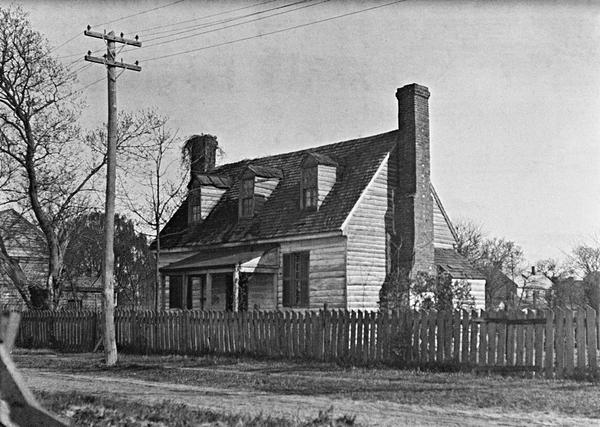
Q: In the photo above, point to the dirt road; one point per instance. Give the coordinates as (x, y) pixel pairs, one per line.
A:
(381, 413)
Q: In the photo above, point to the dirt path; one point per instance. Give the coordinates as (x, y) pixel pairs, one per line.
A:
(381, 413)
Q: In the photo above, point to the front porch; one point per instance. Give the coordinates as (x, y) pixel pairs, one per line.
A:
(230, 280)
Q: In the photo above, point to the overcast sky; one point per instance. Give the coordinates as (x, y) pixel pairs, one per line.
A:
(514, 91)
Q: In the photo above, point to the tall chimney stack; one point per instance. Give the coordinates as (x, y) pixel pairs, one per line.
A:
(202, 150)
(415, 203)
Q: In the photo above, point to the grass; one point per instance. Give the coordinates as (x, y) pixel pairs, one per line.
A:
(101, 411)
(452, 390)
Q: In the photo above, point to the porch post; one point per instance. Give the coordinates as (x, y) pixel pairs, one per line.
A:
(208, 292)
(275, 292)
(236, 287)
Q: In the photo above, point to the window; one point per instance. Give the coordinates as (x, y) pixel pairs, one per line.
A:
(195, 206)
(295, 279)
(175, 292)
(247, 197)
(309, 190)
(179, 296)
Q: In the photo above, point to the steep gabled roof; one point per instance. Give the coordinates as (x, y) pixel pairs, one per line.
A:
(280, 216)
(21, 237)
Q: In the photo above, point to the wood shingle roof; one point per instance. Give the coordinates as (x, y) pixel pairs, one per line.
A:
(280, 215)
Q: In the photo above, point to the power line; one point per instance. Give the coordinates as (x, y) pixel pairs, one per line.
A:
(272, 32)
(234, 25)
(223, 21)
(139, 13)
(143, 30)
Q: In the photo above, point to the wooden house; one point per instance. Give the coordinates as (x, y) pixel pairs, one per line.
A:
(24, 243)
(327, 225)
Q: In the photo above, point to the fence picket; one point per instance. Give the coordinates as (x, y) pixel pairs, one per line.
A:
(539, 344)
(529, 340)
(482, 360)
(491, 340)
(569, 342)
(580, 339)
(560, 343)
(590, 321)
(501, 348)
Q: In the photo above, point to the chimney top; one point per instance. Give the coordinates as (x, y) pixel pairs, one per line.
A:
(202, 153)
(413, 88)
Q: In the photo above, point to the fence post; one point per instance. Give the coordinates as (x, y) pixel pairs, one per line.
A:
(591, 323)
(549, 354)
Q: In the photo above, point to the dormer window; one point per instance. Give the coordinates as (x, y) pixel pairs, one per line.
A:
(317, 176)
(204, 192)
(310, 189)
(247, 198)
(195, 206)
(256, 185)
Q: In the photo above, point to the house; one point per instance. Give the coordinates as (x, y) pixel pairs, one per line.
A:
(327, 225)
(25, 244)
(533, 289)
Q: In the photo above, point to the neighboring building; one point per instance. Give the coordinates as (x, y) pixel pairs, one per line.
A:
(533, 290)
(327, 225)
(82, 293)
(25, 243)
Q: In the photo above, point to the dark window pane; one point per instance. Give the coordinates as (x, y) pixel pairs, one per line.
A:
(175, 292)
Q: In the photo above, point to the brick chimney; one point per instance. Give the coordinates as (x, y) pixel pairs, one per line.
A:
(202, 150)
(415, 204)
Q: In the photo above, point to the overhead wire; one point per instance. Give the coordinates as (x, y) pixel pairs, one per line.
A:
(195, 27)
(294, 27)
(143, 30)
(147, 45)
(116, 20)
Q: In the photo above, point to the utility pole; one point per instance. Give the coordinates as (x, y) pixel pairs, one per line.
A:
(109, 60)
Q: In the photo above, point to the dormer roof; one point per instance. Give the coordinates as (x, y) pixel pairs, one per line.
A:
(219, 181)
(265, 171)
(312, 158)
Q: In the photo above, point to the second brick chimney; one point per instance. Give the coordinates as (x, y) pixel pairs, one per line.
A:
(202, 150)
(415, 204)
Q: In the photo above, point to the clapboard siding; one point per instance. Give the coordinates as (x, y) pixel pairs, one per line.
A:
(264, 186)
(367, 255)
(261, 292)
(442, 236)
(25, 243)
(210, 197)
(478, 292)
(327, 270)
(219, 287)
(326, 176)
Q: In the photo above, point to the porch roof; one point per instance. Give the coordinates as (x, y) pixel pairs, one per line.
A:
(263, 260)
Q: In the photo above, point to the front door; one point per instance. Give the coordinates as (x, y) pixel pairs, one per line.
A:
(196, 294)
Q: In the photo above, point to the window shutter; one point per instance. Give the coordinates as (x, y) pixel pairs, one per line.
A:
(189, 302)
(287, 280)
(303, 278)
(175, 292)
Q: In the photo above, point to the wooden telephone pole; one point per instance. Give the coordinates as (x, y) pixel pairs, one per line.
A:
(109, 60)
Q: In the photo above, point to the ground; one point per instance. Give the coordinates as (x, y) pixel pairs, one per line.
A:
(250, 392)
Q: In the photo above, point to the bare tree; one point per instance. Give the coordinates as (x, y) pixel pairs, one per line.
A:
(496, 258)
(50, 167)
(160, 188)
(585, 257)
